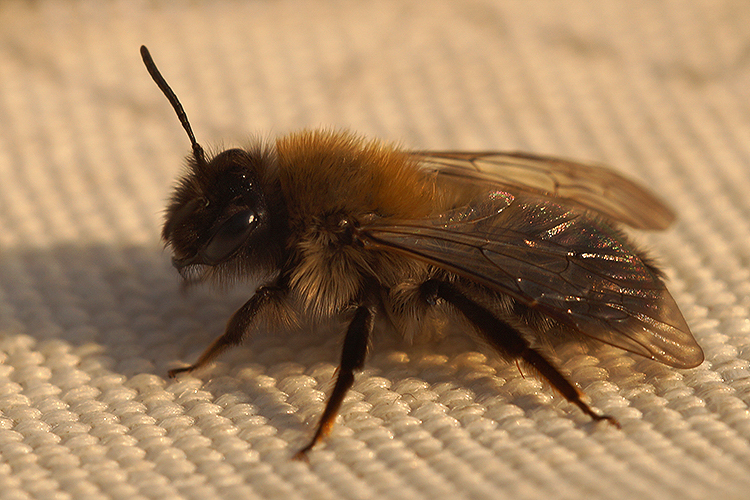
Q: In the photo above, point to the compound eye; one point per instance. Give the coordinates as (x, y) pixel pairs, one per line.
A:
(230, 236)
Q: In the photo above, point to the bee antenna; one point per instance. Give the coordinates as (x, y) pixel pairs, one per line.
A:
(172, 98)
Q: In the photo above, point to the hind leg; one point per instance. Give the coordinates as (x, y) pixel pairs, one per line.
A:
(508, 341)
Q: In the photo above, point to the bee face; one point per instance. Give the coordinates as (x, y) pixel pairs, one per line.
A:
(219, 211)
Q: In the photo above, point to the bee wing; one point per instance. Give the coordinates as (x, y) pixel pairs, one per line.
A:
(561, 261)
(588, 187)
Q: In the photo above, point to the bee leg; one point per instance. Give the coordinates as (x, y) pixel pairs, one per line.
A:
(509, 341)
(237, 326)
(352, 359)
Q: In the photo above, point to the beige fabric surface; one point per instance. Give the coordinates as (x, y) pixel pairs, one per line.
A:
(91, 316)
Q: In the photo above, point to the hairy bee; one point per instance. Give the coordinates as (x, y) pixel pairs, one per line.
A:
(521, 247)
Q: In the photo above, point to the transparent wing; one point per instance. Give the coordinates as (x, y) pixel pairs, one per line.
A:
(561, 261)
(588, 187)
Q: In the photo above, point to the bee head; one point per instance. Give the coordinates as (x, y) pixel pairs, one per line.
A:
(218, 217)
(217, 209)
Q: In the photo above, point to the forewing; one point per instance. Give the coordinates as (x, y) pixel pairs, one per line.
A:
(561, 261)
(587, 186)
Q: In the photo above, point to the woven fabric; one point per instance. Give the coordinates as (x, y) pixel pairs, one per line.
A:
(91, 314)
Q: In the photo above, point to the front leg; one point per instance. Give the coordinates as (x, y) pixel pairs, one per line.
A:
(265, 298)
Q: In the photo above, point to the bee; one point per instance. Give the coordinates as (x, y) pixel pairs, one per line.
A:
(519, 247)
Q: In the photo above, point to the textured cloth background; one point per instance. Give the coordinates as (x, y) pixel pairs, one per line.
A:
(91, 316)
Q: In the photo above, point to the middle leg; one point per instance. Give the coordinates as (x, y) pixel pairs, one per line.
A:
(353, 357)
